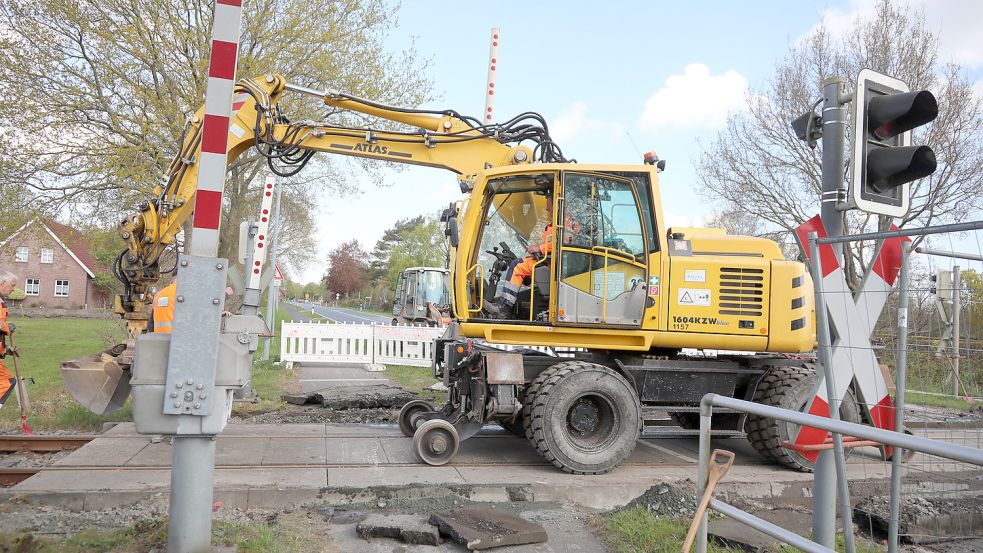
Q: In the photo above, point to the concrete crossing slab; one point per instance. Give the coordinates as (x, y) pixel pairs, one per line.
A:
(294, 451)
(107, 452)
(274, 465)
(353, 451)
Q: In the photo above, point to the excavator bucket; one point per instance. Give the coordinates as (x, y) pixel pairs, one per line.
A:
(101, 382)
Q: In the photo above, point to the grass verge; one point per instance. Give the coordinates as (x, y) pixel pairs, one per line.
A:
(945, 402)
(270, 379)
(417, 380)
(640, 531)
(287, 535)
(44, 344)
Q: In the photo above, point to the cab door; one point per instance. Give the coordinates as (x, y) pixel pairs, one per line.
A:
(603, 253)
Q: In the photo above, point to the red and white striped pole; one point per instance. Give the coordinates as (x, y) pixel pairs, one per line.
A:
(215, 128)
(193, 354)
(492, 75)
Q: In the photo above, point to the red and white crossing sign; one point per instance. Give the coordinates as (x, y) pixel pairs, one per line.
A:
(277, 274)
(852, 317)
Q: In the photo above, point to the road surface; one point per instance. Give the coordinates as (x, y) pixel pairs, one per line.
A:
(344, 315)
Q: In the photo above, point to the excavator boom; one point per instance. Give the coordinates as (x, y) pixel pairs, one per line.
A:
(444, 140)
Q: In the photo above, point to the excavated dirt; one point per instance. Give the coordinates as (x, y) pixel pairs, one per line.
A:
(317, 414)
(380, 396)
(924, 518)
(665, 500)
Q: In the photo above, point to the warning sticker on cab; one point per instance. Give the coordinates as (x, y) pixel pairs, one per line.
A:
(693, 296)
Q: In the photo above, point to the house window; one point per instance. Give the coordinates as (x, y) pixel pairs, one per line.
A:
(47, 255)
(61, 288)
(22, 254)
(32, 287)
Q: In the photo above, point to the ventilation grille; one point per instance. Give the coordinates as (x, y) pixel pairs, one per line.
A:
(741, 291)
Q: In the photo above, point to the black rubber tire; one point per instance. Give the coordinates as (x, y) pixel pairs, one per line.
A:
(612, 399)
(787, 387)
(530, 397)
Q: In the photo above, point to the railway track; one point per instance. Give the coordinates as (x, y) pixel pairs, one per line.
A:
(10, 476)
(42, 444)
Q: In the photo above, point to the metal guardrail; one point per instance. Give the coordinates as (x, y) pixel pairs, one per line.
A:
(895, 439)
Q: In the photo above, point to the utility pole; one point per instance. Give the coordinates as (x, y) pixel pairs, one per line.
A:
(273, 290)
(834, 120)
(956, 308)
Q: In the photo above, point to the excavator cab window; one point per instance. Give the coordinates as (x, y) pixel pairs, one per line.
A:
(514, 221)
(603, 267)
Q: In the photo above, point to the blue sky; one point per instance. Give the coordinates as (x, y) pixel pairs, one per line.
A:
(664, 73)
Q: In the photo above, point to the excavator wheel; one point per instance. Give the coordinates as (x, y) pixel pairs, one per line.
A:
(788, 387)
(530, 397)
(586, 418)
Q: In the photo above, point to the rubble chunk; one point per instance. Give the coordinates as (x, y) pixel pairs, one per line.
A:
(483, 528)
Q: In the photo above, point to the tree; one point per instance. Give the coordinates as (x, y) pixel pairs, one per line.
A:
(421, 246)
(346, 272)
(95, 95)
(379, 265)
(758, 169)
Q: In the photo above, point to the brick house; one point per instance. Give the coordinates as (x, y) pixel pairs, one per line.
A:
(54, 265)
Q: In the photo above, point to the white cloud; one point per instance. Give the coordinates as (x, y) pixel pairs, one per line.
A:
(695, 99)
(573, 121)
(955, 23)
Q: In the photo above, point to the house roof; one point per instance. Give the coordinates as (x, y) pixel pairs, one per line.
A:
(78, 245)
(74, 242)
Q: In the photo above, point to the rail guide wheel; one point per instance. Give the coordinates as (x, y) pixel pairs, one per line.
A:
(436, 442)
(410, 416)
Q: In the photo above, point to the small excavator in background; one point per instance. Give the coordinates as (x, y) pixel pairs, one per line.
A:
(422, 297)
(633, 295)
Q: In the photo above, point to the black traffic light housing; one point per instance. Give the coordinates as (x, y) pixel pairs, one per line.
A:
(884, 161)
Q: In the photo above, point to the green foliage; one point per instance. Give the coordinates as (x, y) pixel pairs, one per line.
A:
(110, 99)
(17, 294)
(423, 245)
(639, 531)
(105, 245)
(415, 379)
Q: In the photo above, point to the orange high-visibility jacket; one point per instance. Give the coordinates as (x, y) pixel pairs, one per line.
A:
(164, 308)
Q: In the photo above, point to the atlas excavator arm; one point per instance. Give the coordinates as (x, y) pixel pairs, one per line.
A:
(444, 140)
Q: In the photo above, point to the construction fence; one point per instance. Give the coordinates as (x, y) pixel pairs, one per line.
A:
(329, 342)
(900, 349)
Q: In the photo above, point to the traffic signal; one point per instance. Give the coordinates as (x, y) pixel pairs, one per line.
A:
(884, 161)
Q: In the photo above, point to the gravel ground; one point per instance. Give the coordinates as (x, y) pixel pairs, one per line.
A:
(665, 500)
(30, 459)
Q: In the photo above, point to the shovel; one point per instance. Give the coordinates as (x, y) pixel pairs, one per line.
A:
(21, 391)
(720, 462)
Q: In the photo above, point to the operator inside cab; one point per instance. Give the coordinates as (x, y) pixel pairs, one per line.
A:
(521, 216)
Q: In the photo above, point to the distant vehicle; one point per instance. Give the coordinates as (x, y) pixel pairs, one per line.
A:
(422, 297)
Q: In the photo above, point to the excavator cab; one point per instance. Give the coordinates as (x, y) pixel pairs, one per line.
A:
(594, 266)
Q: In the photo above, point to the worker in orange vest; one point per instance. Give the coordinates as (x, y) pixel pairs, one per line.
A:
(7, 380)
(523, 269)
(162, 314)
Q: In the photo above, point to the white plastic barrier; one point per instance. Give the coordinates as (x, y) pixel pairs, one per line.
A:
(405, 345)
(326, 342)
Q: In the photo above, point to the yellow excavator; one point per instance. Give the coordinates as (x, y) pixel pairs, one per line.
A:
(646, 312)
